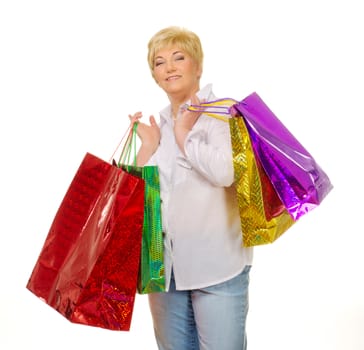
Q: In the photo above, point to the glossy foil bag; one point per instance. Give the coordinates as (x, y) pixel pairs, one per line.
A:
(277, 180)
(88, 267)
(298, 180)
(151, 277)
(263, 216)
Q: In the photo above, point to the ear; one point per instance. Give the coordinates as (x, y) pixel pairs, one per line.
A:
(199, 71)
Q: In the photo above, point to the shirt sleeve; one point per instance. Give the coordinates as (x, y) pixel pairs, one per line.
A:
(208, 150)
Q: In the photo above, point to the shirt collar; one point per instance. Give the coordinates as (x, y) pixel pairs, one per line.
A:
(204, 94)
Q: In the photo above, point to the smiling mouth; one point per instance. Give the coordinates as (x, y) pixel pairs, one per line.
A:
(174, 77)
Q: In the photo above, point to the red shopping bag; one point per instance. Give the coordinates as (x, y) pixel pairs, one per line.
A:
(88, 267)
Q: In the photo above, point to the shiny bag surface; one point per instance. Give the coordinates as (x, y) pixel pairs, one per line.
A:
(299, 181)
(277, 180)
(151, 273)
(263, 216)
(88, 267)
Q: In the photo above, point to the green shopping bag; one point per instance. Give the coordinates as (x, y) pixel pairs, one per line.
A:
(151, 272)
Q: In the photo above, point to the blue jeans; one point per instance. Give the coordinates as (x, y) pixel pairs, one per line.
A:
(211, 318)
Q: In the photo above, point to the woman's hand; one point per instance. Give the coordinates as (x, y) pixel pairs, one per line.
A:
(149, 136)
(188, 118)
(184, 124)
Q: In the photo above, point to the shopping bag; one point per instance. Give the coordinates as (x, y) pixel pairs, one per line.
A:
(277, 180)
(151, 273)
(299, 181)
(88, 267)
(262, 215)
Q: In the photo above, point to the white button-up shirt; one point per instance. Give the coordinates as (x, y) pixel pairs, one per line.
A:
(201, 223)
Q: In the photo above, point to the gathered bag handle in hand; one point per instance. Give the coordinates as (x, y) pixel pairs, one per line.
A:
(129, 148)
(220, 109)
(129, 139)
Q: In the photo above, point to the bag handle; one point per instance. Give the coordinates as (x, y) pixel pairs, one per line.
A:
(129, 139)
(129, 148)
(220, 109)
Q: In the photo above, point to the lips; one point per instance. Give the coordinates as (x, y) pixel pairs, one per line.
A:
(173, 77)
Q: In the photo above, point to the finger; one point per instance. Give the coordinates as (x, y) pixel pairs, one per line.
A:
(132, 118)
(134, 121)
(195, 100)
(152, 121)
(135, 116)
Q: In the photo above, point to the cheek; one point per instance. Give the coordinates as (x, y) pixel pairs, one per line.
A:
(194, 69)
(156, 75)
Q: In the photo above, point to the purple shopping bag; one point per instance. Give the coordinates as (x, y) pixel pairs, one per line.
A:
(299, 181)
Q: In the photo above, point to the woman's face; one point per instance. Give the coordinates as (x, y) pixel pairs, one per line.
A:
(176, 72)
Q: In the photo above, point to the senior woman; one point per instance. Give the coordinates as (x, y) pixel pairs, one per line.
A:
(207, 267)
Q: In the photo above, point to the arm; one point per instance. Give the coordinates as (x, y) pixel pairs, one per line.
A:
(208, 149)
(209, 152)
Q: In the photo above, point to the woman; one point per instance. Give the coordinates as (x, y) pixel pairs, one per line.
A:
(207, 268)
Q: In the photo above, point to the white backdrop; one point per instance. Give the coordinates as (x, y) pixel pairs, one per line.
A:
(71, 72)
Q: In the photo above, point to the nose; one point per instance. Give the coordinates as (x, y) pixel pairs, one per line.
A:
(170, 66)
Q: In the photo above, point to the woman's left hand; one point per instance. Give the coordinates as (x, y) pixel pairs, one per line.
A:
(188, 118)
(184, 124)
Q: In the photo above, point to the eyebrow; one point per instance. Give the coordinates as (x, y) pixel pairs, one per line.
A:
(174, 53)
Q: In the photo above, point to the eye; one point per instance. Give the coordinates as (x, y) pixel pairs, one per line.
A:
(158, 63)
(180, 58)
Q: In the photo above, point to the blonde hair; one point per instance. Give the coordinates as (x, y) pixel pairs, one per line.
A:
(186, 40)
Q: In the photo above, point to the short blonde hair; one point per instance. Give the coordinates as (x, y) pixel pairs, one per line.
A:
(186, 40)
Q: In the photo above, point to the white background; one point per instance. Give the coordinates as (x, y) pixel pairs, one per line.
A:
(71, 72)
